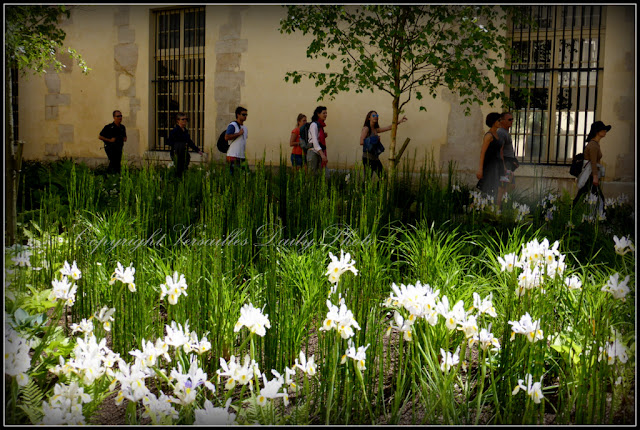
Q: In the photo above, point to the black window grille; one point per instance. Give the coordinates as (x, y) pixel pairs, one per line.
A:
(178, 81)
(560, 60)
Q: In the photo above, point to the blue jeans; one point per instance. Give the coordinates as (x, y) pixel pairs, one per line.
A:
(296, 160)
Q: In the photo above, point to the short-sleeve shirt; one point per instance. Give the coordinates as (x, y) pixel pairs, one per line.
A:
(237, 146)
(507, 144)
(112, 130)
(296, 150)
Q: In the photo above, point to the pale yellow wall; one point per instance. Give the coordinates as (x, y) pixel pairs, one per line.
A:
(265, 56)
(619, 101)
(274, 104)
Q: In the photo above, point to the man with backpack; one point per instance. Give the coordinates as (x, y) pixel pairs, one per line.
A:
(236, 135)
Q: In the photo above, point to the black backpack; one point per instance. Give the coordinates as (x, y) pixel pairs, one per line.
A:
(223, 145)
(576, 165)
(305, 142)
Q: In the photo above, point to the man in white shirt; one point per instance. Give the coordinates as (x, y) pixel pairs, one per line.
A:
(237, 133)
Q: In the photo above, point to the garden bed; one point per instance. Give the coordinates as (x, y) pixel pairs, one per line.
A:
(479, 300)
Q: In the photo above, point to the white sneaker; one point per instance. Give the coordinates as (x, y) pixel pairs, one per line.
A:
(504, 179)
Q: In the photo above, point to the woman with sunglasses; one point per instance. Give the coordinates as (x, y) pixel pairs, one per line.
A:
(371, 128)
(180, 142)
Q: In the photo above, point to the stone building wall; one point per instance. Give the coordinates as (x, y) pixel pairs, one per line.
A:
(246, 61)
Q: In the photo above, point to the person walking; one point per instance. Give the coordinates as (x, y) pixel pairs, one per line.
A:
(592, 170)
(237, 133)
(317, 154)
(371, 129)
(491, 164)
(508, 154)
(294, 142)
(180, 142)
(114, 135)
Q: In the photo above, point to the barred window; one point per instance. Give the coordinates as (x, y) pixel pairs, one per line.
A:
(560, 60)
(178, 81)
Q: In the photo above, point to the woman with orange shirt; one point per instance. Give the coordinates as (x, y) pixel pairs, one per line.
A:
(294, 142)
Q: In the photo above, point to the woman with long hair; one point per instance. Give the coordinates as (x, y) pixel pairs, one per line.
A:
(371, 129)
(491, 163)
(592, 171)
(294, 142)
(317, 154)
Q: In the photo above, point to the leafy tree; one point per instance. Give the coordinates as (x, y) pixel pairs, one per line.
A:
(405, 51)
(33, 40)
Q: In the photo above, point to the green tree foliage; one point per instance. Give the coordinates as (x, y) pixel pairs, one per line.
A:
(33, 41)
(405, 51)
(33, 38)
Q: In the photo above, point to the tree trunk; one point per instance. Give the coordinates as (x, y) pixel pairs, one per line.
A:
(392, 147)
(10, 163)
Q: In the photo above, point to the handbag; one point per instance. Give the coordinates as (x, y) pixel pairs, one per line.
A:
(576, 165)
(372, 145)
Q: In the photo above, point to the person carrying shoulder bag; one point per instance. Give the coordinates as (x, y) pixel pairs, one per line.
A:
(592, 170)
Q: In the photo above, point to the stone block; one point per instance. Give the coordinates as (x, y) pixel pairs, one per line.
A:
(624, 108)
(126, 57)
(57, 100)
(50, 112)
(126, 34)
(53, 149)
(65, 133)
(232, 46)
(132, 145)
(134, 108)
(625, 163)
(228, 62)
(121, 17)
(226, 94)
(229, 79)
(66, 60)
(125, 85)
(52, 81)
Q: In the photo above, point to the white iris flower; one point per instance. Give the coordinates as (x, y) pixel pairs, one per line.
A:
(253, 319)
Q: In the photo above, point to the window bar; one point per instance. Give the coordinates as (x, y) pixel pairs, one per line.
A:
(536, 66)
(579, 72)
(572, 69)
(597, 65)
(564, 71)
(201, 81)
(175, 61)
(528, 69)
(511, 80)
(569, 68)
(186, 63)
(156, 85)
(548, 72)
